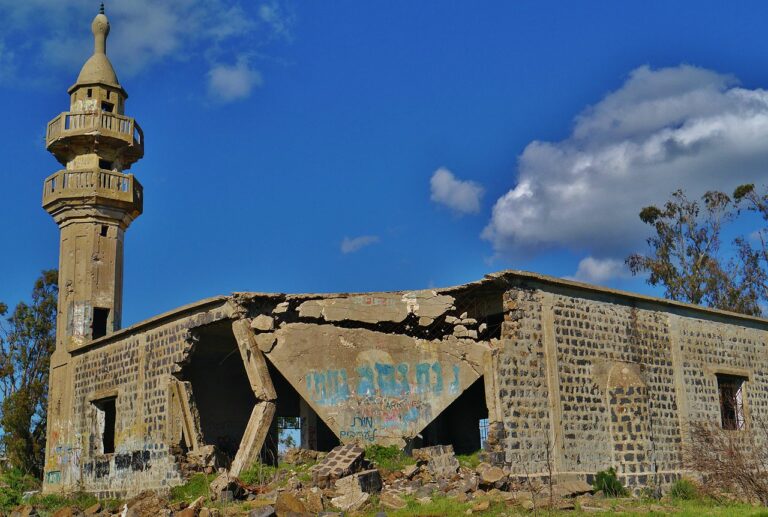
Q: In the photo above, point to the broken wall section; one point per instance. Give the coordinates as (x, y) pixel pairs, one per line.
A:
(378, 367)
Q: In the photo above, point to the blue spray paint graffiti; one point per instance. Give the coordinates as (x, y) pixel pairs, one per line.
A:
(387, 396)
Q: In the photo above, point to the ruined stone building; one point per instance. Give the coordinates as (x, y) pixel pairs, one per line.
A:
(566, 375)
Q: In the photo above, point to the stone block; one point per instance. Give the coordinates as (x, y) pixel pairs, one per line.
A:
(340, 462)
(440, 460)
(366, 481)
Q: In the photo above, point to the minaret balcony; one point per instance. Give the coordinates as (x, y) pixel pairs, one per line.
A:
(69, 133)
(93, 187)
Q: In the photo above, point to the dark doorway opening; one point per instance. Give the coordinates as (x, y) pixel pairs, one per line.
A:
(220, 387)
(460, 424)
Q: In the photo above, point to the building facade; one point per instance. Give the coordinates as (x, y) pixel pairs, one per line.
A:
(570, 378)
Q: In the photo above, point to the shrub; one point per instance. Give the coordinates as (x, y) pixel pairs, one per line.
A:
(684, 489)
(609, 484)
(13, 484)
(389, 458)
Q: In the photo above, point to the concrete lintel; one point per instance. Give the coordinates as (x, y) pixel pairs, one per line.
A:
(253, 360)
(255, 433)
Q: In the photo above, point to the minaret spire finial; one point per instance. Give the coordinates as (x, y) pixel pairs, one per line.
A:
(101, 9)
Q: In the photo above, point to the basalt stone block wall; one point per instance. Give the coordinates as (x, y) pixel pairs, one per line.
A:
(133, 370)
(590, 379)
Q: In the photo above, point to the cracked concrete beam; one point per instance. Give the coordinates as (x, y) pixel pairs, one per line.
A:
(378, 307)
(183, 410)
(253, 439)
(253, 360)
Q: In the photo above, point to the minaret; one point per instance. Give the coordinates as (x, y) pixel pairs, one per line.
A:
(93, 201)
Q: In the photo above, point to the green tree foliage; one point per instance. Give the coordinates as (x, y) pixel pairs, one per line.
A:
(27, 340)
(686, 256)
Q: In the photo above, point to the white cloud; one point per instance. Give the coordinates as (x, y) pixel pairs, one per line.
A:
(681, 127)
(357, 243)
(56, 33)
(228, 83)
(599, 271)
(463, 197)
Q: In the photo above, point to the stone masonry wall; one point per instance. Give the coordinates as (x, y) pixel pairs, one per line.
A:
(135, 369)
(591, 380)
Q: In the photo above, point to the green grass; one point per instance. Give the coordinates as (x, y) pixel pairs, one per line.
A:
(684, 489)
(195, 487)
(13, 484)
(388, 459)
(470, 461)
(259, 474)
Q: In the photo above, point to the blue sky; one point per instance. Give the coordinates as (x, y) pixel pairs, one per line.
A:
(354, 146)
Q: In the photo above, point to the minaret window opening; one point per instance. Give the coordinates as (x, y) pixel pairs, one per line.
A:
(90, 92)
(104, 229)
(99, 325)
(107, 106)
(105, 164)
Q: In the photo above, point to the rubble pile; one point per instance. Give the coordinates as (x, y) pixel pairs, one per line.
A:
(344, 482)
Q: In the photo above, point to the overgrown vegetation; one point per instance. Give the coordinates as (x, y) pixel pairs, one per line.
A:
(684, 489)
(607, 482)
(470, 461)
(731, 461)
(196, 486)
(27, 340)
(388, 459)
(13, 484)
(259, 474)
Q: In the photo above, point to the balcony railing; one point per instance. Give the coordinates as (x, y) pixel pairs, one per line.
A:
(88, 183)
(111, 124)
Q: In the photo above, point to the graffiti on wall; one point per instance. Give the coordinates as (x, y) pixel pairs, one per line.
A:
(390, 398)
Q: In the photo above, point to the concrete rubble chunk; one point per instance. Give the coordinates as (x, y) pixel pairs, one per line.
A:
(281, 308)
(425, 322)
(287, 503)
(313, 500)
(264, 511)
(365, 481)
(93, 509)
(265, 341)
(572, 488)
(440, 460)
(491, 475)
(351, 502)
(451, 320)
(340, 462)
(392, 500)
(298, 456)
(67, 511)
(263, 323)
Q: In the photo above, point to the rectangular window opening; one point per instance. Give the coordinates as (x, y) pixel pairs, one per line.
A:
(105, 423)
(104, 164)
(731, 391)
(483, 427)
(90, 92)
(104, 230)
(100, 316)
(107, 106)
